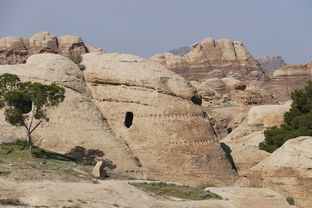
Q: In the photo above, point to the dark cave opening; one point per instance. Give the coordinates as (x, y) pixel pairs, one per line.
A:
(128, 119)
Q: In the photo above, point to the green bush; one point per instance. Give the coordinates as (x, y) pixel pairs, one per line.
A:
(297, 121)
(77, 59)
(290, 200)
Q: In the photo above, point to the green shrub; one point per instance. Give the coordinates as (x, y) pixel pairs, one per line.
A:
(290, 200)
(297, 121)
(77, 59)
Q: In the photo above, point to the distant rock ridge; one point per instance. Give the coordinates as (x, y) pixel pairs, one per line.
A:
(287, 79)
(15, 50)
(270, 63)
(212, 59)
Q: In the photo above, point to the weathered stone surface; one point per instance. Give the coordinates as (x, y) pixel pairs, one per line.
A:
(287, 79)
(213, 59)
(229, 90)
(287, 170)
(244, 140)
(270, 63)
(113, 193)
(94, 49)
(251, 197)
(14, 50)
(75, 122)
(152, 109)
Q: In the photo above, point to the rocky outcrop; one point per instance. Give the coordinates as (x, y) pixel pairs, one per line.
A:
(215, 91)
(15, 50)
(287, 79)
(270, 63)
(156, 112)
(243, 141)
(75, 122)
(287, 170)
(213, 59)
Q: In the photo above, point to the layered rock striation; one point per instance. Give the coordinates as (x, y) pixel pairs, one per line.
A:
(213, 59)
(287, 79)
(15, 50)
(154, 110)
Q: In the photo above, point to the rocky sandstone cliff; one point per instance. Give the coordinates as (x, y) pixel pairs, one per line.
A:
(75, 122)
(15, 50)
(270, 63)
(213, 59)
(287, 79)
(157, 125)
(153, 109)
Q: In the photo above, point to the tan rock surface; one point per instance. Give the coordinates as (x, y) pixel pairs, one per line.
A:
(111, 193)
(152, 109)
(287, 79)
(213, 58)
(244, 140)
(288, 170)
(251, 197)
(15, 50)
(75, 122)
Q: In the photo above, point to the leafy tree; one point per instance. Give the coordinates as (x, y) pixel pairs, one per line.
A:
(26, 103)
(297, 121)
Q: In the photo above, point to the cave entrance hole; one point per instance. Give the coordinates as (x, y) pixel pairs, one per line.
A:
(128, 119)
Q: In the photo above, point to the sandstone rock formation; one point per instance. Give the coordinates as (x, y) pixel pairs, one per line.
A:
(154, 110)
(287, 79)
(270, 63)
(75, 122)
(14, 50)
(287, 170)
(213, 59)
(216, 91)
(244, 140)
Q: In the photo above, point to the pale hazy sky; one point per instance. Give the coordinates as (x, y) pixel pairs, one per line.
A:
(146, 27)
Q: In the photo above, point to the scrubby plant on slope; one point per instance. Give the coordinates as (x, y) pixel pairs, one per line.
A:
(297, 121)
(26, 103)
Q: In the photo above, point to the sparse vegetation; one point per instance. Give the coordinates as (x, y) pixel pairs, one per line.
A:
(44, 164)
(297, 121)
(137, 161)
(290, 200)
(173, 190)
(12, 202)
(77, 59)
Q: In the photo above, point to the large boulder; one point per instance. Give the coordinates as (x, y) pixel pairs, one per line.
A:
(154, 110)
(288, 171)
(213, 59)
(75, 122)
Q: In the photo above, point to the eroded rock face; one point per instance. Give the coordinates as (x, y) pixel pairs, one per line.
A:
(287, 79)
(213, 59)
(75, 122)
(270, 63)
(152, 109)
(215, 91)
(15, 50)
(244, 140)
(287, 170)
